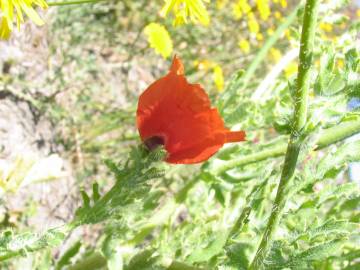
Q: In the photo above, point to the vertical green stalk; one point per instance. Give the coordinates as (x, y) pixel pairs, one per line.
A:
(300, 115)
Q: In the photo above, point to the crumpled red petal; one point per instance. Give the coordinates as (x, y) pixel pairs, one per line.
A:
(179, 114)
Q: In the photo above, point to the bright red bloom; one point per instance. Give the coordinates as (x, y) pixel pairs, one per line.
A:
(178, 115)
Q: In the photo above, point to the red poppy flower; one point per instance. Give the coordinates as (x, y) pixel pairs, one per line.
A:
(178, 115)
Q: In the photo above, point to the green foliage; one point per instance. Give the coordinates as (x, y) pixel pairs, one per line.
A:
(20, 244)
(67, 256)
(132, 183)
(155, 216)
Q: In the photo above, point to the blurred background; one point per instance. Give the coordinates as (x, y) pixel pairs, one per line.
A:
(68, 91)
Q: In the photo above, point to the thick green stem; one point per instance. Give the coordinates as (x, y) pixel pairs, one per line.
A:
(327, 137)
(271, 152)
(338, 133)
(300, 115)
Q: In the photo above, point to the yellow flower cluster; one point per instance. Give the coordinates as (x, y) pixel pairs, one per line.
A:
(291, 69)
(183, 9)
(240, 8)
(244, 46)
(283, 3)
(253, 24)
(275, 55)
(327, 27)
(263, 7)
(220, 4)
(12, 10)
(218, 76)
(159, 39)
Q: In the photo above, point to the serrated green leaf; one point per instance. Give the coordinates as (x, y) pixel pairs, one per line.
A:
(237, 255)
(331, 228)
(316, 253)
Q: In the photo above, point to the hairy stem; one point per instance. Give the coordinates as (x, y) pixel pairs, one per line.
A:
(327, 137)
(300, 115)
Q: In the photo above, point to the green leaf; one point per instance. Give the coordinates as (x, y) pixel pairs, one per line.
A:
(238, 256)
(315, 253)
(112, 253)
(218, 193)
(20, 244)
(65, 259)
(142, 260)
(333, 162)
(213, 248)
(329, 81)
(331, 228)
(133, 183)
(352, 59)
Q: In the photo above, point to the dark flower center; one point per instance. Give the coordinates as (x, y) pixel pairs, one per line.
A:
(153, 142)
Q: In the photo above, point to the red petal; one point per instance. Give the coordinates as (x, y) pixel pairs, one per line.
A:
(235, 136)
(180, 115)
(177, 66)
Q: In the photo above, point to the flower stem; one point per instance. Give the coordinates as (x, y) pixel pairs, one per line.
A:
(73, 2)
(327, 137)
(300, 115)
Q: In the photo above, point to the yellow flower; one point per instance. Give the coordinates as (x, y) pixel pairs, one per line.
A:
(283, 3)
(253, 25)
(259, 37)
(5, 29)
(218, 78)
(263, 8)
(270, 31)
(288, 34)
(340, 63)
(278, 15)
(241, 7)
(275, 55)
(244, 45)
(246, 8)
(358, 12)
(237, 11)
(13, 10)
(291, 69)
(159, 39)
(182, 9)
(327, 27)
(220, 4)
